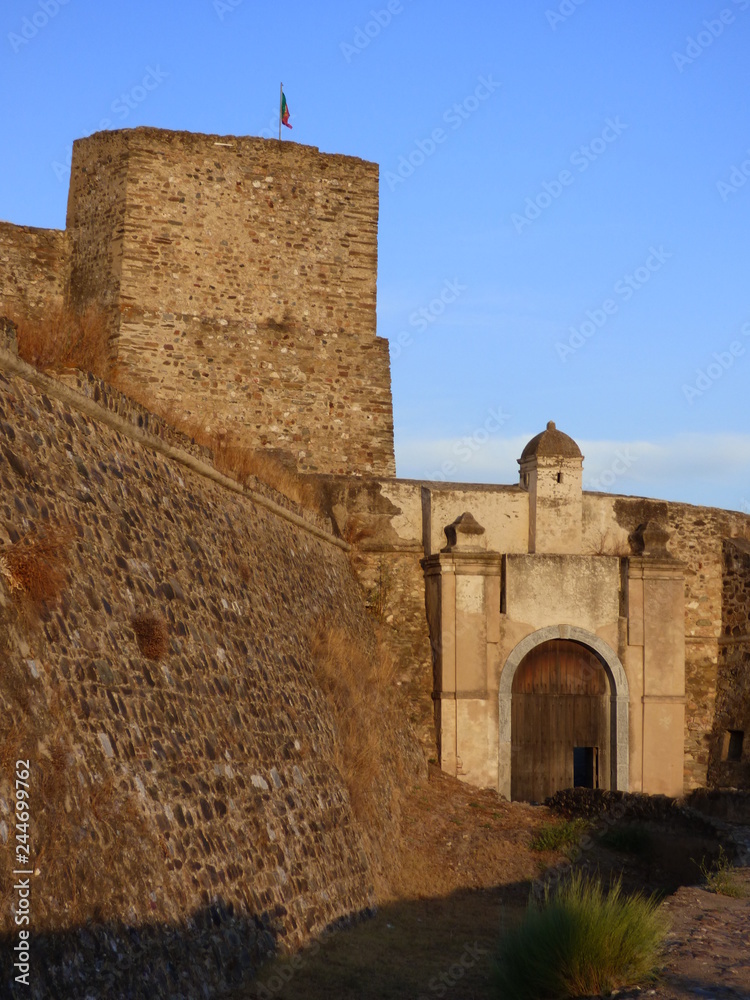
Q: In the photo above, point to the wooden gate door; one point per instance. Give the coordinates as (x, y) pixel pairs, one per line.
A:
(560, 721)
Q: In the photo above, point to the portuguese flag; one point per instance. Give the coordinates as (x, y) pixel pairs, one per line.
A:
(284, 111)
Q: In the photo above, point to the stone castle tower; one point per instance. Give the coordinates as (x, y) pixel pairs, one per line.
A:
(238, 278)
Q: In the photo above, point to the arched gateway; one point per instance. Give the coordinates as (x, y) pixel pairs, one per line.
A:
(547, 711)
(563, 715)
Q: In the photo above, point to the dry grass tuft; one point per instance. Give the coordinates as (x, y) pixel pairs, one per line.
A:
(34, 568)
(233, 456)
(63, 338)
(242, 462)
(609, 545)
(378, 599)
(720, 876)
(359, 684)
(151, 636)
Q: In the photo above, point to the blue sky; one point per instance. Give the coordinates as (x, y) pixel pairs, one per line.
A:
(564, 211)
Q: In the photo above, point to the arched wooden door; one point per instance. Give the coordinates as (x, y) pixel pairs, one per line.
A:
(560, 721)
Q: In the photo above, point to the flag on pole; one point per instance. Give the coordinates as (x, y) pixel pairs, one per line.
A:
(284, 111)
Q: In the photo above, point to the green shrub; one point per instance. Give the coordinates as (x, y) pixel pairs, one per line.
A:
(719, 876)
(632, 839)
(558, 835)
(580, 940)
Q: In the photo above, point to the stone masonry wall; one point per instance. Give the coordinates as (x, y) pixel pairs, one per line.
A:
(187, 812)
(242, 275)
(394, 584)
(32, 270)
(733, 694)
(95, 227)
(387, 564)
(696, 539)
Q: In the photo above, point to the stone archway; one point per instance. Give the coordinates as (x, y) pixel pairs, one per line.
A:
(619, 777)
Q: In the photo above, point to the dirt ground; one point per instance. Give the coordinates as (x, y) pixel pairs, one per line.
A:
(708, 953)
(466, 870)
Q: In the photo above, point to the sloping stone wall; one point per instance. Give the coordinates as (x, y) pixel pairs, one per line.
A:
(187, 812)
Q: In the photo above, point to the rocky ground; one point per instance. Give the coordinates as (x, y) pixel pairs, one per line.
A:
(467, 867)
(708, 951)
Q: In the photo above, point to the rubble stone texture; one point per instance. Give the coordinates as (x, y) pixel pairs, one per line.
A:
(221, 750)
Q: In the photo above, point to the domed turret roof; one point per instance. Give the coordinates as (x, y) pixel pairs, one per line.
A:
(551, 442)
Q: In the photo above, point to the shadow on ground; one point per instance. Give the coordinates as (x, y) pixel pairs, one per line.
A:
(408, 949)
(417, 949)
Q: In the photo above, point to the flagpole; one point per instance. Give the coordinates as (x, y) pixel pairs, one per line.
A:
(281, 101)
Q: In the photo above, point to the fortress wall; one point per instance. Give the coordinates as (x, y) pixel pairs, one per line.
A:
(733, 688)
(697, 535)
(32, 270)
(194, 798)
(245, 274)
(383, 521)
(394, 584)
(95, 224)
